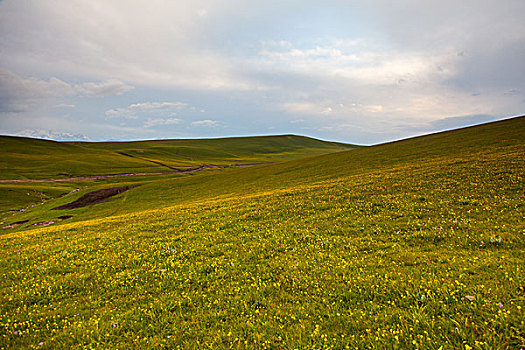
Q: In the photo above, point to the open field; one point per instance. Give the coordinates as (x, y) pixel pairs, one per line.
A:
(25, 158)
(413, 244)
(80, 167)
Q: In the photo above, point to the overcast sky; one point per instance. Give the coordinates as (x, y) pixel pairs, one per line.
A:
(355, 71)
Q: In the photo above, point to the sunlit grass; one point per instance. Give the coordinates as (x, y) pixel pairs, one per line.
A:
(427, 253)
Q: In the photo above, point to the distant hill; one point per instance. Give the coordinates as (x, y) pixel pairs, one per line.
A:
(40, 159)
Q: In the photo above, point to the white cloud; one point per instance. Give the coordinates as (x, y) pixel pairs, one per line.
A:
(65, 106)
(357, 62)
(134, 111)
(19, 94)
(205, 123)
(51, 135)
(328, 108)
(105, 88)
(202, 13)
(151, 122)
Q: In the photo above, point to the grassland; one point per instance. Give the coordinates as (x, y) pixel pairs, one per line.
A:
(25, 158)
(413, 244)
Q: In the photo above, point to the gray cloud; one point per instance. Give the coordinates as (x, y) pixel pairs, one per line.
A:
(65, 106)
(101, 89)
(340, 66)
(136, 110)
(137, 41)
(19, 94)
(205, 123)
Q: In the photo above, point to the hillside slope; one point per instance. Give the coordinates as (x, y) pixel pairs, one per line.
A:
(25, 158)
(467, 146)
(41, 159)
(416, 244)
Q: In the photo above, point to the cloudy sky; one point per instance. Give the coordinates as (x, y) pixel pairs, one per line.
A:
(356, 71)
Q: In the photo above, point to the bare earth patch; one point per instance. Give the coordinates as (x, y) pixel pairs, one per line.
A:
(44, 223)
(94, 197)
(64, 217)
(15, 224)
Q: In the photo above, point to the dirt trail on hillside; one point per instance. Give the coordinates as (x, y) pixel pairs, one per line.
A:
(107, 176)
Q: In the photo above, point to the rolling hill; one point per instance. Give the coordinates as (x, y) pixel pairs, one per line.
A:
(26, 158)
(415, 244)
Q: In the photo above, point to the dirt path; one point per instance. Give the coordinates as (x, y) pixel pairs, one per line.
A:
(97, 177)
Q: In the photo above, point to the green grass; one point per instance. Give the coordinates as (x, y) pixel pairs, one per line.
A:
(25, 158)
(467, 145)
(377, 247)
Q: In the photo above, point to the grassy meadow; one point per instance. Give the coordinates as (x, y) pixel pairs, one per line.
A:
(415, 244)
(25, 158)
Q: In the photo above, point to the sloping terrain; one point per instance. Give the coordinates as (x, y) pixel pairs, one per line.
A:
(414, 244)
(469, 144)
(25, 158)
(80, 167)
